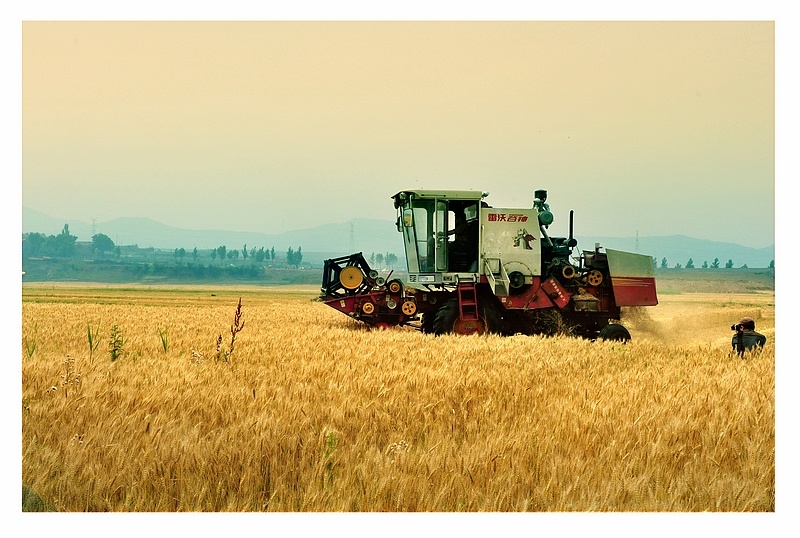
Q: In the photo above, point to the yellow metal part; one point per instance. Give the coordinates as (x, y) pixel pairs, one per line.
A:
(368, 308)
(351, 277)
(594, 278)
(409, 308)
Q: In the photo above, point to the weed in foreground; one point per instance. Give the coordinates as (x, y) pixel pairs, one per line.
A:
(116, 343)
(238, 325)
(91, 335)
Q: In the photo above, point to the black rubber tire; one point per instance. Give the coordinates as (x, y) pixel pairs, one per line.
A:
(615, 331)
(445, 317)
(426, 323)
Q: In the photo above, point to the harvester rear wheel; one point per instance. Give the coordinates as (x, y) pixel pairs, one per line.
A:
(615, 331)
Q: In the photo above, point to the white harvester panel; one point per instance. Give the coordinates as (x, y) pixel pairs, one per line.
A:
(511, 237)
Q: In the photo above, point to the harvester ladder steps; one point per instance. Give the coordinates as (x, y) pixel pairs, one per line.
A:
(467, 301)
(499, 282)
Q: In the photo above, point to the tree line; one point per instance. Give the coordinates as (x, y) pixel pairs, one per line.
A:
(65, 245)
(380, 259)
(713, 265)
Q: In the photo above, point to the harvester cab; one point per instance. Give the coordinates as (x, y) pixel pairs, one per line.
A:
(473, 268)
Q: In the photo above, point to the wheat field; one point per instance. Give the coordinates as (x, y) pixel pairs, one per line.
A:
(313, 412)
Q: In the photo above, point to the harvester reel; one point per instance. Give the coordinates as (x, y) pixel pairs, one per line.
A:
(351, 277)
(346, 276)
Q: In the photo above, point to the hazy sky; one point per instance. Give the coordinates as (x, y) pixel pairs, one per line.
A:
(658, 128)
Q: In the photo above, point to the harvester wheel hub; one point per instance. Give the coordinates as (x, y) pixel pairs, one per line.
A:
(409, 308)
(351, 277)
(594, 278)
(469, 326)
(395, 286)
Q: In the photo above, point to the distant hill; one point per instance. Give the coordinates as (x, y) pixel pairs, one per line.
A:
(372, 236)
(680, 248)
(368, 235)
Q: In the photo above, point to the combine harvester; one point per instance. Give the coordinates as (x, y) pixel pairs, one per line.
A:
(474, 269)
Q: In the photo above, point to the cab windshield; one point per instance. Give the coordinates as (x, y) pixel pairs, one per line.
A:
(439, 235)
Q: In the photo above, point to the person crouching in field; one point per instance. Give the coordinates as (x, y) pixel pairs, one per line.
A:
(746, 338)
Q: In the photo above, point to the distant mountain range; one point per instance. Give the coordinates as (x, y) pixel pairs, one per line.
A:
(370, 236)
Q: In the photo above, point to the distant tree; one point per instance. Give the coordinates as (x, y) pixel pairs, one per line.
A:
(294, 257)
(272, 254)
(715, 263)
(390, 259)
(771, 264)
(233, 254)
(222, 252)
(244, 251)
(64, 243)
(379, 259)
(678, 265)
(372, 259)
(729, 264)
(663, 263)
(744, 266)
(690, 264)
(102, 243)
(194, 255)
(214, 254)
(259, 255)
(34, 243)
(179, 254)
(705, 265)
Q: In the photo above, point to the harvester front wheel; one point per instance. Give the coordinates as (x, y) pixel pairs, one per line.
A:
(615, 331)
(426, 324)
(445, 317)
(447, 321)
